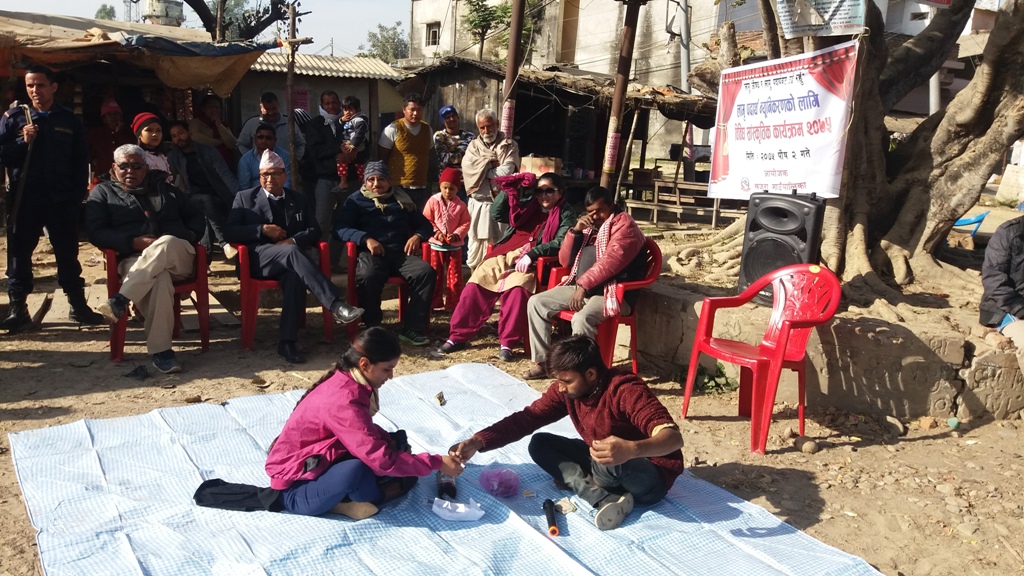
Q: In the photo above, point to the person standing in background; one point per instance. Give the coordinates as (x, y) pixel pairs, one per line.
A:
(47, 172)
(405, 147)
(324, 139)
(270, 113)
(206, 128)
(490, 155)
(105, 138)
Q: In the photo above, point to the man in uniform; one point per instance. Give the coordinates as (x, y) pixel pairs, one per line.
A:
(48, 169)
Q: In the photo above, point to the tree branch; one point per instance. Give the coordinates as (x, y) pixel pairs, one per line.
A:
(919, 58)
(770, 31)
(707, 76)
(207, 17)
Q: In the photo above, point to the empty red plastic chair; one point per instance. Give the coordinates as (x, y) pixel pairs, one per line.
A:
(805, 296)
(251, 287)
(609, 328)
(198, 284)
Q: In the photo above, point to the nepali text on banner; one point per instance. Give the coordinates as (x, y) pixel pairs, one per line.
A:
(781, 125)
(822, 17)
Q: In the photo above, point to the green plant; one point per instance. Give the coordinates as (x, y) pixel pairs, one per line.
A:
(716, 382)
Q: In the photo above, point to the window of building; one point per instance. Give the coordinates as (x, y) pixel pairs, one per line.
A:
(918, 15)
(433, 34)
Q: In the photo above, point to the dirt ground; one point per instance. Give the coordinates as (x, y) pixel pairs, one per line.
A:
(934, 501)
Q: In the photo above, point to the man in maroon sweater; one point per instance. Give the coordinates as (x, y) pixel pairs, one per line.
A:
(631, 447)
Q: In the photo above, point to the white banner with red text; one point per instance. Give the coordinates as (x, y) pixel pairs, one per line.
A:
(781, 125)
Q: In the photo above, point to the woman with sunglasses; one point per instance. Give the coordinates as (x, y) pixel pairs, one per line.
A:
(538, 218)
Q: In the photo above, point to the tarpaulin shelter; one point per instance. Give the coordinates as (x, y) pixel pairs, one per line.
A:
(179, 57)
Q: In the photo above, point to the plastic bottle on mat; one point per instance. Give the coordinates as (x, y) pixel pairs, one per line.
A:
(445, 486)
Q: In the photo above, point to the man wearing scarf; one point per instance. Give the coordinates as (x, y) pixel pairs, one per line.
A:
(384, 222)
(487, 157)
(277, 225)
(324, 138)
(143, 218)
(605, 247)
(538, 219)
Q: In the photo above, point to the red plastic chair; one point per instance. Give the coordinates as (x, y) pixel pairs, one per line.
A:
(403, 287)
(199, 285)
(251, 287)
(805, 296)
(609, 328)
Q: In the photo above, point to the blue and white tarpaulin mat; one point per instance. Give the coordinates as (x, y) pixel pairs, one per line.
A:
(115, 497)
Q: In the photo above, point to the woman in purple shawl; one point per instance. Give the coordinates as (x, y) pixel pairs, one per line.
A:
(538, 218)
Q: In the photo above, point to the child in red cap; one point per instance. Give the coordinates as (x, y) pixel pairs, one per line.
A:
(450, 218)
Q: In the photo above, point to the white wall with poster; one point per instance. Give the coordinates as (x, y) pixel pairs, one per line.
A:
(781, 125)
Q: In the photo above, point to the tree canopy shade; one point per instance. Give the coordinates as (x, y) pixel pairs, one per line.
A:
(388, 43)
(896, 206)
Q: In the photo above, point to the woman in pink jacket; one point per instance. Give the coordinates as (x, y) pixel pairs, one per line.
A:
(331, 457)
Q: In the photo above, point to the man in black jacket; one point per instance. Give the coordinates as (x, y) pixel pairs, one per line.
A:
(324, 137)
(388, 228)
(1002, 277)
(142, 217)
(48, 170)
(209, 185)
(277, 225)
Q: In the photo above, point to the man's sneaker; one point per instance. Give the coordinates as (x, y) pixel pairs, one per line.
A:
(611, 514)
(114, 308)
(448, 347)
(230, 252)
(506, 355)
(413, 337)
(165, 361)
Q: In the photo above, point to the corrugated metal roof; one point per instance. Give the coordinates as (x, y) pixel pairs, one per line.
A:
(313, 65)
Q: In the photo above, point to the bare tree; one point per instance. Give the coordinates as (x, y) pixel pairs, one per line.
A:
(896, 207)
(240, 22)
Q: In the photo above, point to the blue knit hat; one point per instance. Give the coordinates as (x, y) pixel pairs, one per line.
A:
(446, 110)
(377, 168)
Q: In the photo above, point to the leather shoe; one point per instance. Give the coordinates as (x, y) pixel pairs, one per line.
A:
(17, 320)
(344, 313)
(290, 352)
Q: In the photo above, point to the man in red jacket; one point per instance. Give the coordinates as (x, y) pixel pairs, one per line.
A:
(631, 447)
(605, 247)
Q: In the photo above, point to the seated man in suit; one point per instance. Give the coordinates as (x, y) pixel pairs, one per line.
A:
(277, 225)
(388, 228)
(147, 222)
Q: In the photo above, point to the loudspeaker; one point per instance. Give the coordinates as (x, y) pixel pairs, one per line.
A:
(782, 229)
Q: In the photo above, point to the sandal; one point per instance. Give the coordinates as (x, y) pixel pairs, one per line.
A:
(536, 372)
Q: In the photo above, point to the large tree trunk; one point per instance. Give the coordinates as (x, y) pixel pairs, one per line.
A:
(951, 156)
(895, 208)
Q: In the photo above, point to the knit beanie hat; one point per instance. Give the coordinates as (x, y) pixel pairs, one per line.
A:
(142, 120)
(452, 176)
(377, 168)
(109, 105)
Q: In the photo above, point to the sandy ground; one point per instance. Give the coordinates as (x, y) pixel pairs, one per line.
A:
(932, 501)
